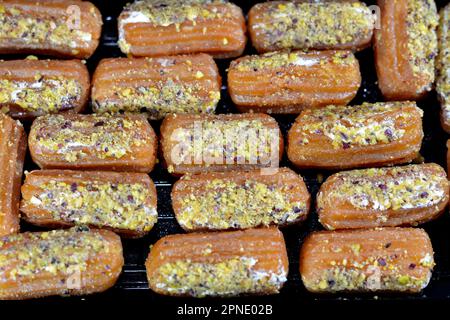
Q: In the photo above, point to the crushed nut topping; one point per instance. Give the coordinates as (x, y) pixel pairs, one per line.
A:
(229, 141)
(225, 204)
(16, 24)
(391, 188)
(49, 95)
(116, 205)
(443, 64)
(56, 252)
(107, 137)
(226, 278)
(422, 20)
(288, 59)
(161, 99)
(348, 126)
(307, 25)
(360, 276)
(167, 12)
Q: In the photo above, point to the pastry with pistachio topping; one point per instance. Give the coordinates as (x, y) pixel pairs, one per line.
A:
(224, 264)
(405, 48)
(124, 202)
(443, 67)
(225, 142)
(277, 25)
(76, 261)
(386, 197)
(288, 82)
(94, 142)
(149, 28)
(30, 88)
(371, 134)
(13, 147)
(240, 200)
(373, 260)
(157, 86)
(62, 28)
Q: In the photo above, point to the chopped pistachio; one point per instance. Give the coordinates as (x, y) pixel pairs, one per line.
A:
(17, 24)
(55, 252)
(288, 59)
(107, 137)
(46, 94)
(163, 98)
(350, 126)
(422, 20)
(224, 204)
(226, 142)
(168, 12)
(443, 64)
(115, 205)
(309, 25)
(361, 278)
(400, 188)
(230, 277)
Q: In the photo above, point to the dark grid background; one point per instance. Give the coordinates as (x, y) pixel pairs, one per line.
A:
(132, 284)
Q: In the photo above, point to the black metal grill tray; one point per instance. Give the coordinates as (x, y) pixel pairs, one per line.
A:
(132, 284)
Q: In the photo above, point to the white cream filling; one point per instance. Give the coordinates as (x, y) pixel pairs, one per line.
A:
(305, 62)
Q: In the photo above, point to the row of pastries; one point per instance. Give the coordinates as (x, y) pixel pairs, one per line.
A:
(93, 185)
